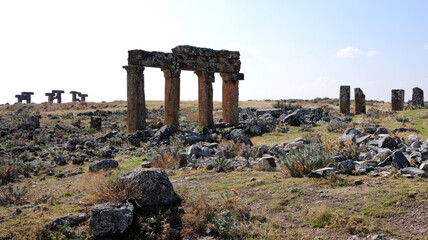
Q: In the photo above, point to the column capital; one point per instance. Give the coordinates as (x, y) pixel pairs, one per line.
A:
(232, 76)
(207, 75)
(171, 72)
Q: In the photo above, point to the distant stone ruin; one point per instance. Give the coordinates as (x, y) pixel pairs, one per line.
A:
(360, 101)
(74, 97)
(418, 98)
(397, 99)
(345, 99)
(24, 96)
(204, 62)
(55, 94)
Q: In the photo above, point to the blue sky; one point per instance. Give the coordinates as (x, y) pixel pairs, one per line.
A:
(289, 49)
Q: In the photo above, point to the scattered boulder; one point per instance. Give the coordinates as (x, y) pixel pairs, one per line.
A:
(148, 187)
(347, 166)
(385, 141)
(70, 220)
(110, 219)
(267, 163)
(239, 136)
(103, 165)
(96, 122)
(412, 171)
(321, 172)
(399, 161)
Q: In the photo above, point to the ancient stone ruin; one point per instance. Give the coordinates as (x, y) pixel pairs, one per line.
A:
(418, 98)
(360, 101)
(74, 97)
(345, 99)
(24, 96)
(397, 99)
(55, 94)
(204, 62)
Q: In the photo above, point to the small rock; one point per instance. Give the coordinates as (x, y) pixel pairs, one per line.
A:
(70, 220)
(103, 164)
(267, 164)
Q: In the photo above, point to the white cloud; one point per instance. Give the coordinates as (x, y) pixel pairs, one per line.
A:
(350, 52)
(426, 46)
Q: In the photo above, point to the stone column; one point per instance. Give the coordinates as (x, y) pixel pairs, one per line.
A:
(136, 114)
(172, 97)
(360, 101)
(230, 99)
(83, 97)
(418, 98)
(50, 97)
(74, 96)
(205, 98)
(397, 99)
(19, 98)
(345, 99)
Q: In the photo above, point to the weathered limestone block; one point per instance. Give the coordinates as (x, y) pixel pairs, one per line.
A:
(360, 101)
(417, 98)
(230, 99)
(172, 96)
(96, 122)
(136, 116)
(397, 99)
(345, 99)
(205, 98)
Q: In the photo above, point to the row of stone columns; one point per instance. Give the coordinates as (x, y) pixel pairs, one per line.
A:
(397, 99)
(345, 100)
(136, 100)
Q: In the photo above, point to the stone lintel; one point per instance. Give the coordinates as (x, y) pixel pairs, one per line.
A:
(58, 91)
(184, 62)
(205, 52)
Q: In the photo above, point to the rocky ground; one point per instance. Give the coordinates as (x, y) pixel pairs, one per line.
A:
(300, 171)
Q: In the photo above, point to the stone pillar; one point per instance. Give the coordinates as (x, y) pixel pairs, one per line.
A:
(230, 99)
(205, 98)
(74, 96)
(397, 99)
(50, 97)
(360, 101)
(83, 97)
(172, 97)
(19, 98)
(27, 96)
(136, 114)
(418, 98)
(345, 99)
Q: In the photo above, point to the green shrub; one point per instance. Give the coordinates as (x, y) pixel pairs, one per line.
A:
(302, 161)
(9, 194)
(284, 105)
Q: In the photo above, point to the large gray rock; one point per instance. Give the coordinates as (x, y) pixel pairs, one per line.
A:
(239, 136)
(267, 164)
(347, 166)
(148, 187)
(424, 155)
(399, 161)
(412, 171)
(385, 141)
(70, 220)
(193, 150)
(110, 219)
(381, 130)
(103, 165)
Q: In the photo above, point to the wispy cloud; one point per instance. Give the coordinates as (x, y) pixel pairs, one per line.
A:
(350, 52)
(426, 46)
